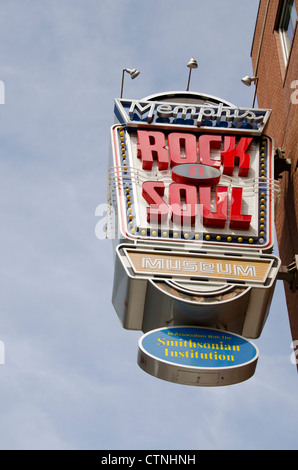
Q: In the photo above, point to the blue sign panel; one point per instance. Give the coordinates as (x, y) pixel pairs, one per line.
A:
(222, 117)
(194, 347)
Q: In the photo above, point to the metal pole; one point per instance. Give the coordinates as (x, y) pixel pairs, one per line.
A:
(121, 93)
(187, 89)
(255, 95)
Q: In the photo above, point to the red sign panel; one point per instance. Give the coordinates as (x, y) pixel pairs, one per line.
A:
(193, 186)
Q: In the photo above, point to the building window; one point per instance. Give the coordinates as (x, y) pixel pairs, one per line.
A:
(286, 26)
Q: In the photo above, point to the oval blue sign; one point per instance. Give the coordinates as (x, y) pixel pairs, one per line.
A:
(196, 173)
(187, 352)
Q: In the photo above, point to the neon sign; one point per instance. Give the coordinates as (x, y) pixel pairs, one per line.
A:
(195, 186)
(191, 115)
(191, 191)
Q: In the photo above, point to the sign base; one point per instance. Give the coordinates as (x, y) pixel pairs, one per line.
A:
(197, 356)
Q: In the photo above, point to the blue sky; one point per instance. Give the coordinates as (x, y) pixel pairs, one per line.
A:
(70, 378)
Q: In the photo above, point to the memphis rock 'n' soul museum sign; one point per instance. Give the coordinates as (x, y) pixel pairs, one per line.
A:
(190, 212)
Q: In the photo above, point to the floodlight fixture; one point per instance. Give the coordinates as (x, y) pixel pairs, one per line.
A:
(192, 64)
(133, 74)
(247, 80)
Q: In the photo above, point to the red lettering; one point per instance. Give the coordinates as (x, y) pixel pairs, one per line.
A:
(183, 200)
(193, 168)
(152, 192)
(182, 143)
(206, 142)
(152, 145)
(218, 218)
(237, 220)
(232, 152)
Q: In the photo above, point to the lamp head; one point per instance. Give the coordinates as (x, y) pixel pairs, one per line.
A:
(248, 80)
(192, 64)
(133, 72)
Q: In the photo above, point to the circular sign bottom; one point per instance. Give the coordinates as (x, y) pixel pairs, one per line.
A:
(197, 356)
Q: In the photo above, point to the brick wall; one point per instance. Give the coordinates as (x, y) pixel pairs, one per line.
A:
(276, 90)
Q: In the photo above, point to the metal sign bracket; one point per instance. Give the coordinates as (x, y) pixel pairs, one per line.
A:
(290, 274)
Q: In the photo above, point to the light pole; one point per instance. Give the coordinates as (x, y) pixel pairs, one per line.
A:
(192, 64)
(133, 73)
(248, 81)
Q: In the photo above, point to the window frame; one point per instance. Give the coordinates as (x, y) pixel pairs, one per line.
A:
(282, 25)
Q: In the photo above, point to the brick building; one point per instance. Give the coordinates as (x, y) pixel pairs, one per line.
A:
(274, 57)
